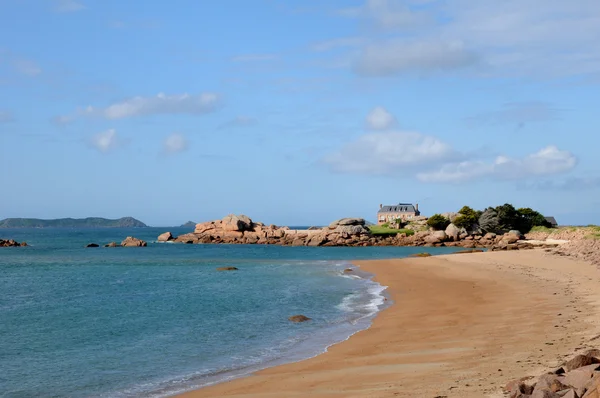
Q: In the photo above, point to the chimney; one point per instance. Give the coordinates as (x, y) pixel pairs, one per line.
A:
(417, 207)
(380, 207)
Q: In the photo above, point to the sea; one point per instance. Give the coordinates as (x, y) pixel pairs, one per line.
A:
(160, 320)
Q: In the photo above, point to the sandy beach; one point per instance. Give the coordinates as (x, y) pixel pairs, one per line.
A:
(460, 326)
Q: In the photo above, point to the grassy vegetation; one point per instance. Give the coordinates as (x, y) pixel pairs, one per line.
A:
(544, 229)
(384, 230)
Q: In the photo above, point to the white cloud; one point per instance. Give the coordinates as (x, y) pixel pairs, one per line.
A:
(254, 57)
(389, 152)
(175, 143)
(380, 119)
(518, 113)
(160, 104)
(68, 6)
(398, 56)
(548, 161)
(509, 38)
(570, 184)
(387, 14)
(105, 141)
(6, 116)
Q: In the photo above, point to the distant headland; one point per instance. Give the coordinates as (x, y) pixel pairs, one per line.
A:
(90, 222)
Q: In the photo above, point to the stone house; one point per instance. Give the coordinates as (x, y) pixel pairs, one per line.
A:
(404, 211)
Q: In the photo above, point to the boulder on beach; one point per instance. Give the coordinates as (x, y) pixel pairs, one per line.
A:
(227, 269)
(166, 237)
(298, 318)
(453, 232)
(130, 241)
(436, 237)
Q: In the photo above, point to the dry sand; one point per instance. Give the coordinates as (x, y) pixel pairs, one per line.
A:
(461, 326)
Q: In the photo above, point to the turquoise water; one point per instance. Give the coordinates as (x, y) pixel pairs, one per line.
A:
(155, 321)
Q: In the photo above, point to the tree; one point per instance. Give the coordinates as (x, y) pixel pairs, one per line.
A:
(529, 218)
(438, 222)
(508, 217)
(489, 220)
(467, 218)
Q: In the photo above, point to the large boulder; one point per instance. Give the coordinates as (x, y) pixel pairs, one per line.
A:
(512, 237)
(317, 240)
(237, 223)
(580, 361)
(351, 229)
(436, 237)
(347, 221)
(130, 241)
(166, 237)
(452, 216)
(453, 232)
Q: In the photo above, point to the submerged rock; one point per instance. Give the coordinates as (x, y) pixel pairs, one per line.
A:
(92, 245)
(298, 318)
(421, 255)
(112, 244)
(227, 269)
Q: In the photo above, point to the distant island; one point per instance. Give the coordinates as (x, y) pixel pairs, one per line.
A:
(189, 224)
(90, 222)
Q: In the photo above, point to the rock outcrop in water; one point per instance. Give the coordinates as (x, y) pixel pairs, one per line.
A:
(130, 241)
(166, 237)
(11, 243)
(241, 229)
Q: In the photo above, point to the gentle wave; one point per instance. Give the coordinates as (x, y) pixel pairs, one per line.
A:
(361, 307)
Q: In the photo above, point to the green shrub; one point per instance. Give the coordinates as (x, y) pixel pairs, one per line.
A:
(467, 218)
(438, 222)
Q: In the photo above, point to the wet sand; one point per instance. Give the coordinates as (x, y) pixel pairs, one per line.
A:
(461, 326)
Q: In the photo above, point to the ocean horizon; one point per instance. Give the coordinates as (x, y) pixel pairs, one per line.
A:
(160, 320)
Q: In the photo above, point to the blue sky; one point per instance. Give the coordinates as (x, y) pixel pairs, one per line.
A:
(297, 112)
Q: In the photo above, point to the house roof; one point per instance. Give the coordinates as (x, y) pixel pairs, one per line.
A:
(399, 208)
(551, 220)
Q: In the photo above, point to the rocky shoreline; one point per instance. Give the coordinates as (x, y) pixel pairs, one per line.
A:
(240, 229)
(576, 378)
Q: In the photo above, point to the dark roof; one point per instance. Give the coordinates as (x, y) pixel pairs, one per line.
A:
(551, 220)
(399, 208)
